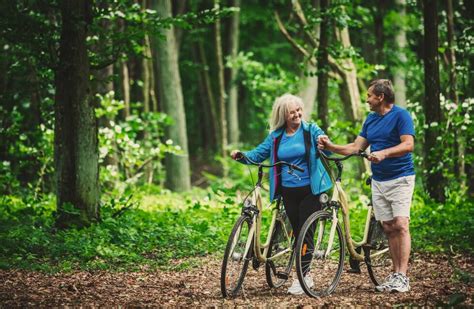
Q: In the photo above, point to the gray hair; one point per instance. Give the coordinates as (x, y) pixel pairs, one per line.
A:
(384, 86)
(280, 110)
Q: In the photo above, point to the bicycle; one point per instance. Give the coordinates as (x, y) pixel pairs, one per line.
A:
(244, 243)
(321, 242)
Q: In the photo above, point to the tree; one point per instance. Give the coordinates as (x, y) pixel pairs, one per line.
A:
(232, 111)
(221, 97)
(323, 66)
(171, 97)
(399, 71)
(75, 141)
(432, 107)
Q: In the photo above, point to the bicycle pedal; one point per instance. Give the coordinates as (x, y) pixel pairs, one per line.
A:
(354, 271)
(281, 275)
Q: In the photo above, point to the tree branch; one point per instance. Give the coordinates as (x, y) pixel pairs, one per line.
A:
(304, 23)
(295, 44)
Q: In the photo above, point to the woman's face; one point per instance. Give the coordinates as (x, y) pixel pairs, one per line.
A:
(294, 115)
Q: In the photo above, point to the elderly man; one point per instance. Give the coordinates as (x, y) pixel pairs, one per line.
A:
(390, 133)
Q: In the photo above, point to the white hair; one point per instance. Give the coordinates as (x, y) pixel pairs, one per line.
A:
(280, 110)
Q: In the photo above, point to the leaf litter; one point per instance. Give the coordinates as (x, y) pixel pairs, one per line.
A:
(435, 281)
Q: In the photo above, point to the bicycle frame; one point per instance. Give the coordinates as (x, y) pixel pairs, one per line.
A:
(255, 230)
(339, 200)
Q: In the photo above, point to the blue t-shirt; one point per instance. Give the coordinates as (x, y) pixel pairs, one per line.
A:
(292, 150)
(383, 132)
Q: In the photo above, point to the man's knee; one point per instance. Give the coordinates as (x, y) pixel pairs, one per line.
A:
(401, 225)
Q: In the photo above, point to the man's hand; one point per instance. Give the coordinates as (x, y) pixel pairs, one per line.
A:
(323, 142)
(236, 154)
(377, 156)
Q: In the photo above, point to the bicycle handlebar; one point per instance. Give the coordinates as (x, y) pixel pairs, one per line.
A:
(360, 153)
(291, 166)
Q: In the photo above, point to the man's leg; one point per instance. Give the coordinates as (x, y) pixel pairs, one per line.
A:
(403, 243)
(393, 243)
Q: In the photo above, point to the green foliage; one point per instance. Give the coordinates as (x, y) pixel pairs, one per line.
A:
(127, 147)
(443, 227)
(264, 83)
(456, 130)
(145, 235)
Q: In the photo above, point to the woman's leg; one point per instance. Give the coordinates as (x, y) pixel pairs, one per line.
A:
(292, 198)
(309, 205)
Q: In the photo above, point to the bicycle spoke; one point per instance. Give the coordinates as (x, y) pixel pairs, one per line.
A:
(321, 267)
(281, 255)
(235, 262)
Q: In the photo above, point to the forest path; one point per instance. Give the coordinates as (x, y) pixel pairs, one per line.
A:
(434, 282)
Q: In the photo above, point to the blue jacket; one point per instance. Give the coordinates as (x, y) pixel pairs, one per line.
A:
(319, 177)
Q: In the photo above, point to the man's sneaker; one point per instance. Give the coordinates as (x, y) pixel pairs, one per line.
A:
(401, 284)
(296, 288)
(386, 283)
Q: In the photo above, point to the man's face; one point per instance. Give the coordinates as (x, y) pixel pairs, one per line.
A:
(373, 100)
(294, 115)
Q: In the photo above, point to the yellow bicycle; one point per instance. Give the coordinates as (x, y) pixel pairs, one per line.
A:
(322, 242)
(244, 244)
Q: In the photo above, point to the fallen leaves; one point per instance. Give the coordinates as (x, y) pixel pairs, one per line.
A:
(433, 283)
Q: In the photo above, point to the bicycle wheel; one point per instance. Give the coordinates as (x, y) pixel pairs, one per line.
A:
(377, 256)
(235, 264)
(278, 269)
(322, 267)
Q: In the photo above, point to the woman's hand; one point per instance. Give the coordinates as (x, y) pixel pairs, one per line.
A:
(236, 154)
(323, 142)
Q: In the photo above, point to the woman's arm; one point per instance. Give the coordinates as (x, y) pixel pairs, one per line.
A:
(258, 154)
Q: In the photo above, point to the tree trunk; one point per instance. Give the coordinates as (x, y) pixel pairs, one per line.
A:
(147, 107)
(221, 84)
(207, 124)
(323, 67)
(458, 149)
(309, 83)
(432, 108)
(177, 165)
(125, 78)
(349, 77)
(308, 91)
(232, 112)
(379, 15)
(76, 150)
(399, 77)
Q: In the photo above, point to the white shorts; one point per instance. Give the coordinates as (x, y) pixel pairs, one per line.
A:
(392, 198)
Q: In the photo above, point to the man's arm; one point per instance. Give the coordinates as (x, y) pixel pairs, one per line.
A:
(360, 143)
(406, 146)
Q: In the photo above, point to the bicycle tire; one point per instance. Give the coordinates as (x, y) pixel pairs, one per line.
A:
(234, 253)
(324, 271)
(377, 256)
(278, 270)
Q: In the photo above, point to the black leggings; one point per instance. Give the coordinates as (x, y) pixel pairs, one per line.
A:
(300, 203)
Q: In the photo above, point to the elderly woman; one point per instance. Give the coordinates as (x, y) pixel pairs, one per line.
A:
(293, 140)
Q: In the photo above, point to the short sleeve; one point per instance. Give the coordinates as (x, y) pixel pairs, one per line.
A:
(363, 133)
(405, 124)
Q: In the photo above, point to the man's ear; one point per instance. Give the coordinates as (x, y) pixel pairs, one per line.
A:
(382, 97)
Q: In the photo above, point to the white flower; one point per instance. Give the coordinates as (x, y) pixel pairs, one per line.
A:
(434, 124)
(169, 142)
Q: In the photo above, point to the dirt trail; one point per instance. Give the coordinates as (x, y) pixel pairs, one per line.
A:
(433, 280)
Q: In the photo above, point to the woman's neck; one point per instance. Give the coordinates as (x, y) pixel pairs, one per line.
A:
(290, 130)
